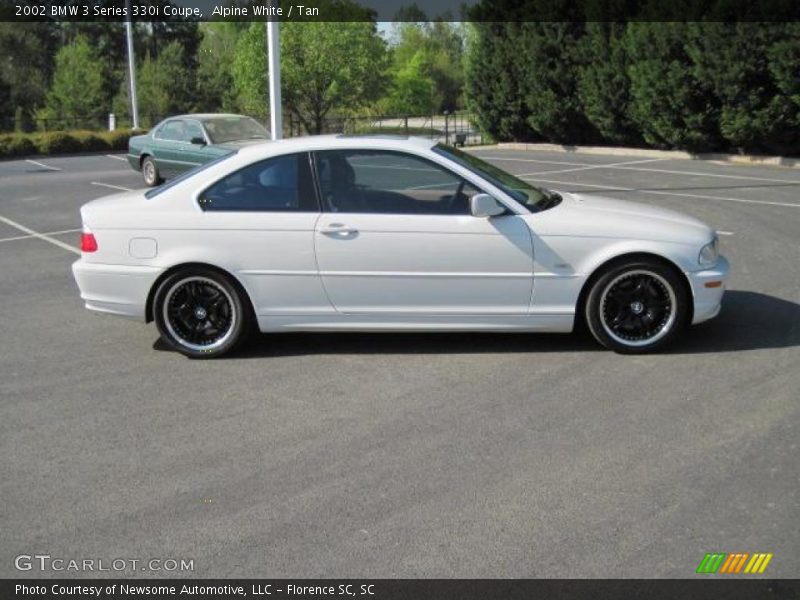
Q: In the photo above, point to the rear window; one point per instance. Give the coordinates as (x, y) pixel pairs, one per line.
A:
(184, 176)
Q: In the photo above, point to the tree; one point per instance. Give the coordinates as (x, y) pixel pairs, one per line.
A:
(549, 83)
(325, 66)
(78, 89)
(215, 64)
(670, 105)
(493, 73)
(26, 64)
(412, 90)
(163, 83)
(739, 62)
(604, 89)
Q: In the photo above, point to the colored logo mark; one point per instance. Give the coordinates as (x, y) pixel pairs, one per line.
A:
(733, 563)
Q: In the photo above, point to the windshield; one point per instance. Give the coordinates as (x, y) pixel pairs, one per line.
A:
(233, 128)
(184, 176)
(533, 198)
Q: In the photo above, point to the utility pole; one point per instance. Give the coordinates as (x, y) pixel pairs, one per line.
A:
(274, 58)
(131, 67)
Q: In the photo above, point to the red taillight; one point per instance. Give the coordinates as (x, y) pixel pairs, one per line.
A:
(88, 243)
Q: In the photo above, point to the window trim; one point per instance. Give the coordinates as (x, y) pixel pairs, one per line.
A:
(404, 153)
(157, 134)
(198, 198)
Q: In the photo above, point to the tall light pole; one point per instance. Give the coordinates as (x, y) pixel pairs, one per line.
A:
(131, 67)
(274, 58)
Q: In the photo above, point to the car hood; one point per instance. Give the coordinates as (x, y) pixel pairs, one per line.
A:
(590, 215)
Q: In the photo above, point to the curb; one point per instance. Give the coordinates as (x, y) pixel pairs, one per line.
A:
(738, 159)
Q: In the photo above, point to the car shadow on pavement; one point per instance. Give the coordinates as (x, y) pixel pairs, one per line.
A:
(748, 321)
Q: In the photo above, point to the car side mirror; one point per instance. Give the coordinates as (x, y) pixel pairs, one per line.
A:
(198, 141)
(483, 205)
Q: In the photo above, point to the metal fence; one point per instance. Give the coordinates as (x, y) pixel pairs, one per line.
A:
(456, 128)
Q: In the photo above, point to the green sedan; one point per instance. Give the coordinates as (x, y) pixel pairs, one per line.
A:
(186, 141)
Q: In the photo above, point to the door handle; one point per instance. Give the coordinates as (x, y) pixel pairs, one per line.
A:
(338, 229)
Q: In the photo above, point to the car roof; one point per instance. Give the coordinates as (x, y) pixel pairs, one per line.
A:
(201, 116)
(332, 142)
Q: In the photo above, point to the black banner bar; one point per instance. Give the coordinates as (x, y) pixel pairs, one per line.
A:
(400, 10)
(738, 588)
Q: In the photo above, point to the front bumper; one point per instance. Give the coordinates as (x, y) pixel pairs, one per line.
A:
(115, 289)
(708, 300)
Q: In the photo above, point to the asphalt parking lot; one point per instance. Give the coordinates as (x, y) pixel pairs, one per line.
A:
(405, 455)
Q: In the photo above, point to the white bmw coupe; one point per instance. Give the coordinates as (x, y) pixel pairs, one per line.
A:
(335, 233)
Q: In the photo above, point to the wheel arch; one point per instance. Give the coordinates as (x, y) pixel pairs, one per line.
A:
(148, 311)
(609, 263)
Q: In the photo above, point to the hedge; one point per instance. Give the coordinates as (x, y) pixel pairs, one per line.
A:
(698, 86)
(64, 142)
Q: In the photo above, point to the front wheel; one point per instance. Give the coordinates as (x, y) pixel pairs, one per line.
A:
(636, 307)
(200, 313)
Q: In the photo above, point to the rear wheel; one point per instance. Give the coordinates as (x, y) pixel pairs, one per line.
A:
(636, 307)
(150, 172)
(200, 313)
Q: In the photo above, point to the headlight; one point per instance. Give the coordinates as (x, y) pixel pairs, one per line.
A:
(709, 253)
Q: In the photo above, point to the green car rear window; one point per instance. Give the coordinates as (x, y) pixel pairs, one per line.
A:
(184, 176)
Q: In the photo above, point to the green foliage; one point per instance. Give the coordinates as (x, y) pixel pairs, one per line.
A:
(604, 89)
(412, 89)
(549, 83)
(90, 141)
(493, 75)
(26, 63)
(250, 71)
(163, 84)
(78, 83)
(215, 60)
(435, 52)
(56, 142)
(670, 104)
(325, 66)
(16, 144)
(739, 61)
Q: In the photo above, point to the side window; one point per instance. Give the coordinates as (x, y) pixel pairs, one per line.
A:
(193, 130)
(371, 181)
(171, 131)
(280, 184)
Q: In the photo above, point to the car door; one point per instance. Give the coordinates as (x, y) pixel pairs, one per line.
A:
(259, 221)
(195, 153)
(168, 141)
(396, 237)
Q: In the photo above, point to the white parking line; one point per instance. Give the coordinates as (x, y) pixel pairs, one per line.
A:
(589, 167)
(29, 236)
(725, 232)
(115, 157)
(113, 187)
(665, 193)
(622, 167)
(44, 166)
(41, 236)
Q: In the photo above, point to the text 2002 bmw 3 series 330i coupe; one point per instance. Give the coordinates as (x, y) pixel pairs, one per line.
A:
(336, 233)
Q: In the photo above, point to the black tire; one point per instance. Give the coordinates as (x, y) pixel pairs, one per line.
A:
(201, 313)
(150, 172)
(637, 306)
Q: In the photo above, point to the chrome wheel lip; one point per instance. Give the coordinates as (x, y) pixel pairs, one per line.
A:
(664, 329)
(217, 343)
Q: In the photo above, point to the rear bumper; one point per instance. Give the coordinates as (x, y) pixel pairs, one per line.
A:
(133, 161)
(708, 300)
(115, 289)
